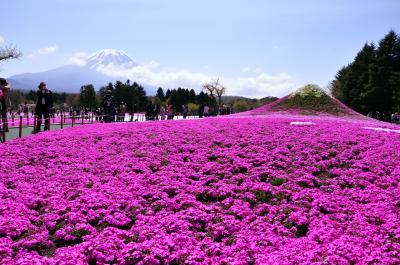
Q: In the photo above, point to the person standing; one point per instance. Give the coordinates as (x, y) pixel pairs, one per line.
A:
(108, 107)
(5, 89)
(98, 114)
(156, 111)
(184, 111)
(44, 106)
(149, 111)
(2, 104)
(206, 111)
(162, 113)
(170, 112)
(132, 112)
(122, 111)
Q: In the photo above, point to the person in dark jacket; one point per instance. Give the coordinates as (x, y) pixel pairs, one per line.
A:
(5, 89)
(2, 105)
(109, 109)
(184, 111)
(44, 106)
(149, 111)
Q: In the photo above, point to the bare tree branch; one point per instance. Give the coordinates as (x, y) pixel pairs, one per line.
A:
(216, 90)
(9, 52)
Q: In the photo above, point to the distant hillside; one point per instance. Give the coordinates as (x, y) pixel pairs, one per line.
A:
(241, 104)
(230, 99)
(63, 79)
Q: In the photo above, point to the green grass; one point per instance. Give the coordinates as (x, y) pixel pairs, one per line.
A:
(14, 132)
(309, 100)
(309, 104)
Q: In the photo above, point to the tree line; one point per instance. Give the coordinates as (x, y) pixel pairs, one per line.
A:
(135, 98)
(371, 83)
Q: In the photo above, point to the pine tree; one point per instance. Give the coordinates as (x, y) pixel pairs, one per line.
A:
(372, 81)
(384, 77)
(192, 96)
(168, 93)
(396, 76)
(87, 97)
(359, 88)
(160, 94)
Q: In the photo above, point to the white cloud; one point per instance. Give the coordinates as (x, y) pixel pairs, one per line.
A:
(2, 40)
(246, 69)
(44, 51)
(249, 70)
(152, 74)
(257, 85)
(261, 85)
(257, 71)
(48, 50)
(78, 58)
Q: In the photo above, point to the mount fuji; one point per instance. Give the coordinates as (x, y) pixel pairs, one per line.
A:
(70, 78)
(107, 57)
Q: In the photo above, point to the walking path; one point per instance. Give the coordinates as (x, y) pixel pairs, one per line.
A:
(27, 128)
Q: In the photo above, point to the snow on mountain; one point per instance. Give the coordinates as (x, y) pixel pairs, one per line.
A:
(107, 57)
(70, 78)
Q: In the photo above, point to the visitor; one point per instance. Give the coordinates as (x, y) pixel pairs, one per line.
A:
(221, 110)
(121, 112)
(397, 117)
(152, 111)
(43, 108)
(25, 109)
(6, 90)
(149, 111)
(170, 112)
(162, 113)
(2, 104)
(19, 110)
(108, 107)
(156, 111)
(184, 111)
(206, 111)
(98, 113)
(132, 112)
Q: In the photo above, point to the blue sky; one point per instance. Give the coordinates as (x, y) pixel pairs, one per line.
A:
(258, 47)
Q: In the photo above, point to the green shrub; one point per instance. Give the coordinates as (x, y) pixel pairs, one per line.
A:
(263, 196)
(278, 181)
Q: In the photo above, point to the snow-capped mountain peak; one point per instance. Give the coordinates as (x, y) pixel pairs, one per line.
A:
(107, 57)
(98, 69)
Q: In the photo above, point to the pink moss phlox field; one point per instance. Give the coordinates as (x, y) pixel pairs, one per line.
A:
(235, 190)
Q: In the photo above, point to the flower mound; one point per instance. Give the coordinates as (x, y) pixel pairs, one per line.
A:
(237, 190)
(307, 100)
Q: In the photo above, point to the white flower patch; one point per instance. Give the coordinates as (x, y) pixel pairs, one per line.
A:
(382, 129)
(300, 123)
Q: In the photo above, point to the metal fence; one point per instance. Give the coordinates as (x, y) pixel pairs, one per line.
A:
(19, 122)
